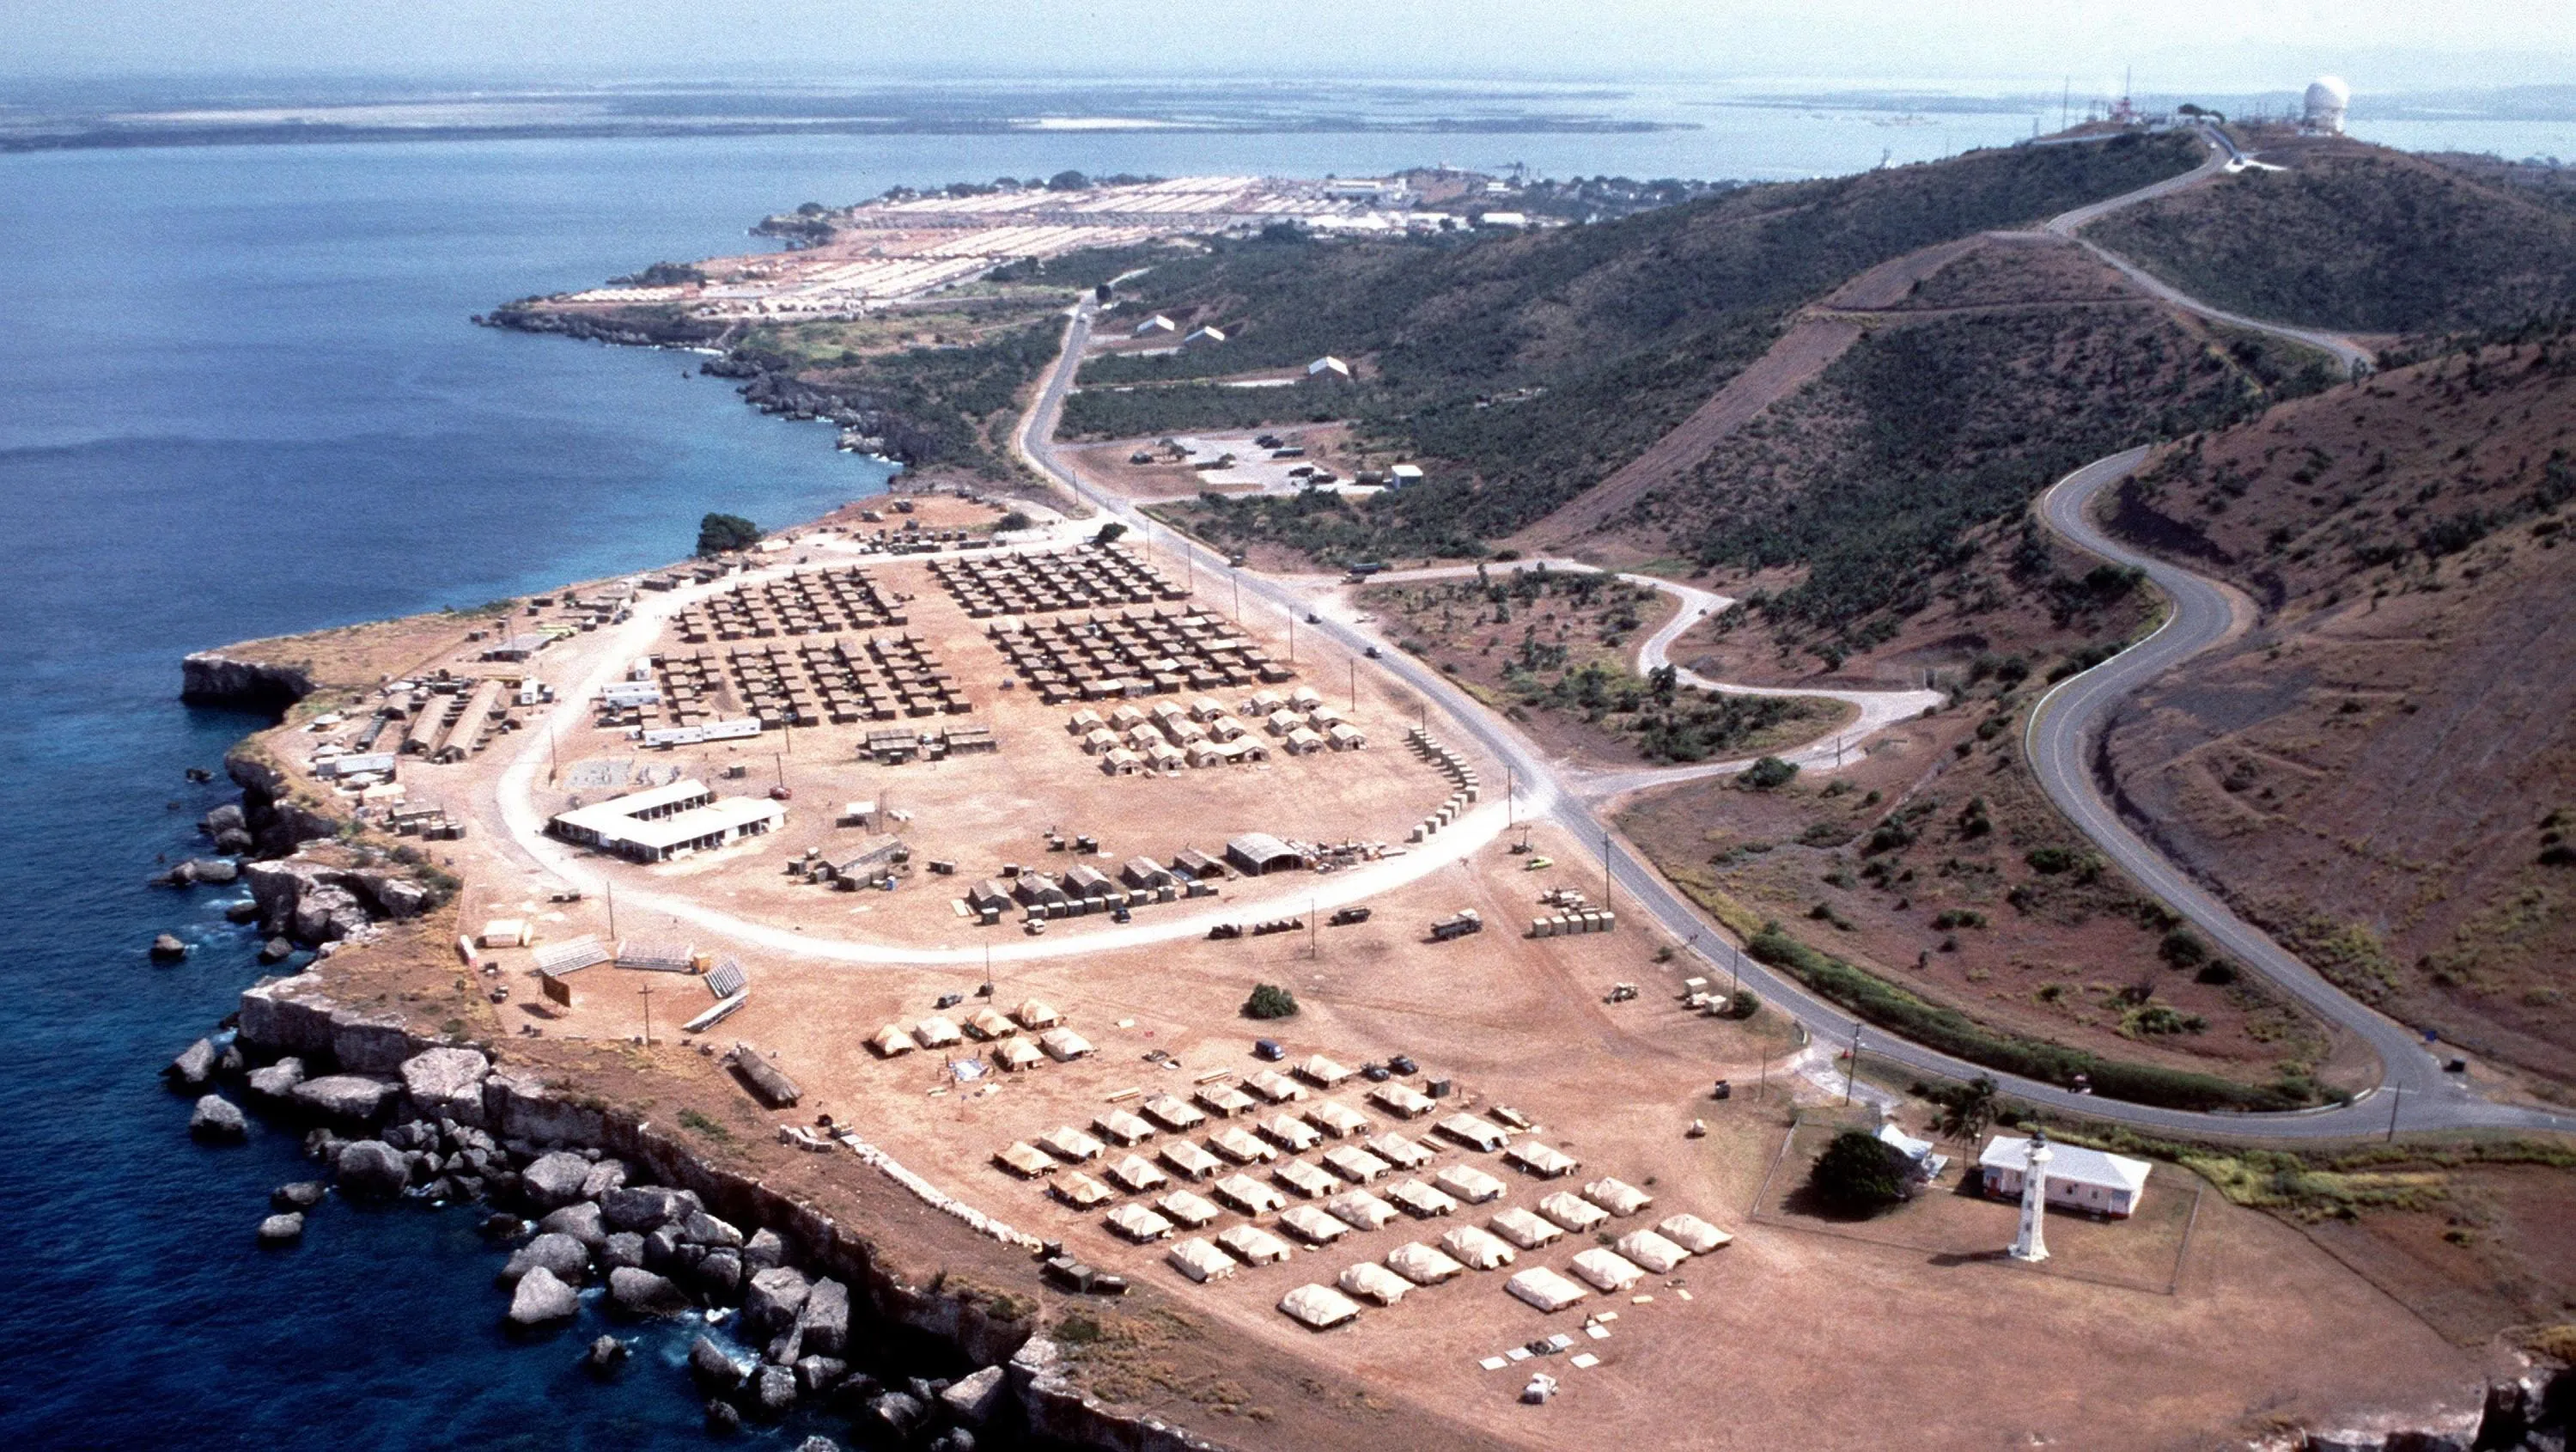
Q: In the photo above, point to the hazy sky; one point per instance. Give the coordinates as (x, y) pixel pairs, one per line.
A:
(2175, 44)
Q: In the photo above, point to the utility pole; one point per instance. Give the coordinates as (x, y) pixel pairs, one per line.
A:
(1238, 596)
(611, 889)
(1292, 637)
(1606, 899)
(1851, 1064)
(1511, 818)
(554, 765)
(1314, 932)
(646, 993)
(2396, 1096)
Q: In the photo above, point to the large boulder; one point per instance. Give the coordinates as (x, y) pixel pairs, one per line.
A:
(278, 1080)
(195, 1064)
(212, 869)
(565, 1258)
(325, 913)
(818, 1374)
(226, 818)
(773, 1302)
(826, 1318)
(282, 1229)
(763, 1251)
(371, 1168)
(644, 1208)
(167, 948)
(975, 1397)
(345, 1098)
(772, 1391)
(580, 1220)
(541, 1298)
(604, 1357)
(701, 1228)
(622, 1249)
(447, 1083)
(639, 1292)
(218, 1120)
(553, 1180)
(718, 1274)
(713, 1368)
(604, 1176)
(899, 1412)
(300, 1195)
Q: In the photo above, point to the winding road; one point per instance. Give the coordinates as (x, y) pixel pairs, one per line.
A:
(2422, 1097)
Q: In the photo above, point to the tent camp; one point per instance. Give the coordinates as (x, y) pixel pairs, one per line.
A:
(1421, 1201)
(1274, 1086)
(891, 1042)
(1225, 1101)
(1120, 1127)
(1184, 1207)
(1025, 1160)
(1544, 1289)
(935, 1032)
(1068, 1143)
(990, 1023)
(1136, 1174)
(1318, 1308)
(1253, 1245)
(1290, 1133)
(1693, 1234)
(1172, 1113)
(1200, 1260)
(1479, 1248)
(1540, 1160)
(1617, 1196)
(1360, 1210)
(1242, 1146)
(1402, 1101)
(1607, 1270)
(1373, 1282)
(1083, 1192)
(1475, 1133)
(1523, 1229)
(1423, 1265)
(1398, 1151)
(1311, 1225)
(1139, 1224)
(1247, 1195)
(1017, 1055)
(1579, 1216)
(1469, 1184)
(1652, 1251)
(1321, 1072)
(1189, 1161)
(1064, 1045)
(1034, 1014)
(1338, 1120)
(1306, 1180)
(1355, 1165)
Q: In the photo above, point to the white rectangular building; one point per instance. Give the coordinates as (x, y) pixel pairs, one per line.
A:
(667, 822)
(2078, 1178)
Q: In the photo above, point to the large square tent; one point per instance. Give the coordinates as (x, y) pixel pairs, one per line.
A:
(1402, 1100)
(1579, 1216)
(1651, 1251)
(1017, 1055)
(1024, 1160)
(1068, 1143)
(1398, 1151)
(1475, 1133)
(1423, 1265)
(1617, 1196)
(1136, 1175)
(1524, 1229)
(891, 1042)
(1224, 1100)
(1064, 1045)
(1311, 1225)
(1036, 1014)
(1421, 1201)
(1290, 1133)
(1083, 1192)
(1318, 1308)
(1693, 1234)
(935, 1032)
(1139, 1224)
(1274, 1086)
(1242, 1146)
(1188, 1208)
(1200, 1260)
(1354, 1164)
(1544, 1288)
(1172, 1113)
(1338, 1120)
(1373, 1282)
(1541, 1160)
(1477, 1247)
(989, 1023)
(1469, 1184)
(1607, 1270)
(1253, 1245)
(1360, 1210)
(1189, 1161)
(1247, 1195)
(1322, 1072)
(1120, 1127)
(1306, 1180)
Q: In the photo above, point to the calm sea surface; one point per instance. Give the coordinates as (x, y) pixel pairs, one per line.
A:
(241, 398)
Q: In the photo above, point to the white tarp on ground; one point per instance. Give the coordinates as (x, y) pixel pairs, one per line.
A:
(1138, 1223)
(1470, 1184)
(1693, 1234)
(1617, 1196)
(1544, 1289)
(1189, 1208)
(1360, 1210)
(1579, 1216)
(1478, 1248)
(1652, 1251)
(1373, 1282)
(1253, 1245)
(1318, 1308)
(1523, 1229)
(1200, 1260)
(1607, 1269)
(1422, 1264)
(1311, 1225)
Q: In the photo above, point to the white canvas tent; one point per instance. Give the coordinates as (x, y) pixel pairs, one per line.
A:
(1318, 1308)
(1544, 1289)
(1311, 1225)
(1607, 1270)
(1652, 1251)
(1200, 1260)
(1423, 1265)
(1693, 1234)
(1617, 1196)
(1373, 1282)
(1476, 1247)
(1579, 1216)
(1524, 1229)
(1469, 1184)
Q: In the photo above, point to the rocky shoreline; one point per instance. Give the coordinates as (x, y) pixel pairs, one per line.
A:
(583, 1194)
(212, 678)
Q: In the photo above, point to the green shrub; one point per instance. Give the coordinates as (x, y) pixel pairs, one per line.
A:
(1016, 519)
(1768, 773)
(1269, 1000)
(721, 533)
(1859, 1172)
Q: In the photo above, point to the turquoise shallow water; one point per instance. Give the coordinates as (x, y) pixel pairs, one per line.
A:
(241, 398)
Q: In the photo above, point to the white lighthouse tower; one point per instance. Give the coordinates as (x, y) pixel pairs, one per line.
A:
(2032, 1243)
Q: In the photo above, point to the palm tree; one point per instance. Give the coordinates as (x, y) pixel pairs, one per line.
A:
(1966, 1112)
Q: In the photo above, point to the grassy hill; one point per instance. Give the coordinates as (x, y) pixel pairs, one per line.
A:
(2381, 774)
(1536, 365)
(2360, 238)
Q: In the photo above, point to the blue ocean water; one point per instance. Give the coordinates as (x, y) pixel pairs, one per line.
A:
(242, 398)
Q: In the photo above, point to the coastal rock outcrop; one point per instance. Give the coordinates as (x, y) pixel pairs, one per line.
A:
(581, 1221)
(299, 1195)
(218, 1120)
(554, 1180)
(345, 1098)
(446, 1084)
(560, 1256)
(211, 678)
(371, 1169)
(282, 1229)
(605, 1356)
(639, 1292)
(771, 1304)
(541, 1299)
(276, 1081)
(195, 1064)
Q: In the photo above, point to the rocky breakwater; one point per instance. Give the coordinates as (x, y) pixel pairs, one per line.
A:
(212, 678)
(603, 1217)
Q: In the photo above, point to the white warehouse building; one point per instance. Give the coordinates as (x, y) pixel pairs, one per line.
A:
(666, 822)
(2078, 1178)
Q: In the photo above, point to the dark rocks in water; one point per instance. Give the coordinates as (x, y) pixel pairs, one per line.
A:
(711, 1367)
(218, 1120)
(284, 1229)
(345, 1098)
(625, 1248)
(501, 1226)
(242, 912)
(554, 1180)
(818, 1374)
(719, 1274)
(580, 1220)
(722, 1419)
(561, 1256)
(226, 818)
(276, 950)
(605, 1356)
(231, 1064)
(955, 1439)
(322, 1145)
(210, 678)
(974, 1398)
(642, 1293)
(825, 1318)
(278, 1080)
(301, 1195)
(644, 1208)
(771, 1392)
(541, 1299)
(764, 1251)
(201, 776)
(233, 842)
(167, 949)
(773, 1301)
(899, 1412)
(818, 1444)
(212, 869)
(372, 1169)
(194, 1066)
(704, 1229)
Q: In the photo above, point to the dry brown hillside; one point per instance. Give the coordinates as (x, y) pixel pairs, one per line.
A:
(2384, 772)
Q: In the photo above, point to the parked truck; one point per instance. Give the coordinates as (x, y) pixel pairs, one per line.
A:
(1457, 925)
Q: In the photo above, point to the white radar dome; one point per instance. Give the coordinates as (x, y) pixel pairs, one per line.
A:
(2327, 97)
